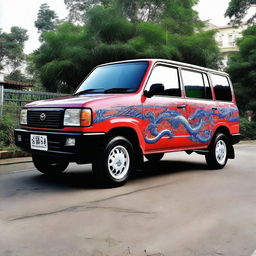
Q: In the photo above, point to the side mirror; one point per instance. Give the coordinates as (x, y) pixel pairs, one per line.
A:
(155, 89)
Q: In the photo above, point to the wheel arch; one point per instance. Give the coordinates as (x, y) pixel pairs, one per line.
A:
(130, 134)
(127, 132)
(225, 130)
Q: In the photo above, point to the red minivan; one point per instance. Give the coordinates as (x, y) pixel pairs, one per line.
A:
(125, 110)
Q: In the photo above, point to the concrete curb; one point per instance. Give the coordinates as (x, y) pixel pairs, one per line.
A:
(7, 154)
(15, 162)
(14, 157)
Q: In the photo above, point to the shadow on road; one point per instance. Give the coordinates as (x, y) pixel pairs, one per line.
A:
(166, 167)
(83, 178)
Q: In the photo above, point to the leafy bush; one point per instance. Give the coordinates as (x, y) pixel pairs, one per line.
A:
(248, 129)
(8, 122)
(6, 131)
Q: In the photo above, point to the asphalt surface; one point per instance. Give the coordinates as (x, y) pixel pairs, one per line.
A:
(177, 207)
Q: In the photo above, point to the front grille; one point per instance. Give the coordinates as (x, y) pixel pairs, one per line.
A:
(53, 118)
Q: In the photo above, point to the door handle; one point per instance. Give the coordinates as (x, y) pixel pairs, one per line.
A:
(182, 106)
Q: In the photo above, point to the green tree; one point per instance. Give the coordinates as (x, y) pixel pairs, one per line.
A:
(11, 48)
(180, 18)
(140, 10)
(143, 10)
(242, 68)
(77, 8)
(61, 57)
(71, 51)
(108, 25)
(46, 19)
(237, 10)
(33, 74)
(18, 76)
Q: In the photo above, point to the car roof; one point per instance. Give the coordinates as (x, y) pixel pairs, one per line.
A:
(177, 63)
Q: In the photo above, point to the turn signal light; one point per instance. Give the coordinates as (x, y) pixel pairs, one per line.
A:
(86, 117)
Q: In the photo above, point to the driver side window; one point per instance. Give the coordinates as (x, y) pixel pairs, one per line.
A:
(168, 76)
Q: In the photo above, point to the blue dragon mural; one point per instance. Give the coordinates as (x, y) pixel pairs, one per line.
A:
(195, 124)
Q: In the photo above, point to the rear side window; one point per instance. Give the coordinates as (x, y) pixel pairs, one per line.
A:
(221, 87)
(194, 84)
(168, 76)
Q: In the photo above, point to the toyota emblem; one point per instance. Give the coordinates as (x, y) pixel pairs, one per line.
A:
(42, 116)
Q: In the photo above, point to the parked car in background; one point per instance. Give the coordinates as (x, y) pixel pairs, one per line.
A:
(126, 110)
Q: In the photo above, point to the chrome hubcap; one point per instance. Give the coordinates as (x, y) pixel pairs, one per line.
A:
(221, 152)
(118, 162)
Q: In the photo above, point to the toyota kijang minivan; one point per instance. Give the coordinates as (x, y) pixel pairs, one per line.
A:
(125, 110)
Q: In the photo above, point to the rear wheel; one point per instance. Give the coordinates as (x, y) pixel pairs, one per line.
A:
(218, 152)
(49, 165)
(154, 157)
(115, 163)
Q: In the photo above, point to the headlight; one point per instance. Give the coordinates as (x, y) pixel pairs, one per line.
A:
(23, 116)
(77, 117)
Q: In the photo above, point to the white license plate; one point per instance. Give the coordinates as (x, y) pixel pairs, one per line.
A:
(39, 142)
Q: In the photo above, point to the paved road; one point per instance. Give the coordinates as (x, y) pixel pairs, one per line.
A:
(176, 208)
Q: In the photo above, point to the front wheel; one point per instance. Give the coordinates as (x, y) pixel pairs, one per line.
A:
(218, 152)
(49, 165)
(114, 163)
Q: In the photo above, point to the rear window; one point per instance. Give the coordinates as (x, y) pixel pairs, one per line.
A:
(221, 87)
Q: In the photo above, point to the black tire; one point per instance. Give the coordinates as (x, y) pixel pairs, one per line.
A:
(49, 165)
(115, 162)
(218, 152)
(153, 158)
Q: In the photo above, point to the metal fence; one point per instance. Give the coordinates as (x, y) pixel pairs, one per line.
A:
(28, 96)
(13, 100)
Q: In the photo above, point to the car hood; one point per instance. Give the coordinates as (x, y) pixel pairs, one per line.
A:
(68, 101)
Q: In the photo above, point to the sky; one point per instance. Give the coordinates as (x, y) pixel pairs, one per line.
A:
(23, 13)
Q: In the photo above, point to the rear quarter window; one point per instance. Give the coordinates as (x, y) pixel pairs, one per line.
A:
(221, 87)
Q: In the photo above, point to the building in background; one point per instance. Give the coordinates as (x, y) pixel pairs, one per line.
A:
(226, 37)
(9, 84)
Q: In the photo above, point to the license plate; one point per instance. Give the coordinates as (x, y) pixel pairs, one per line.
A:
(39, 142)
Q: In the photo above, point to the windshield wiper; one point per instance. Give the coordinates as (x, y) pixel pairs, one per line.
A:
(88, 90)
(117, 90)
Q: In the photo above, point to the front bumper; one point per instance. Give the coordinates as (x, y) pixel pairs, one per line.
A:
(85, 149)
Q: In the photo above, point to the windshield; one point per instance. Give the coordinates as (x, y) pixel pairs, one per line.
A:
(114, 78)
